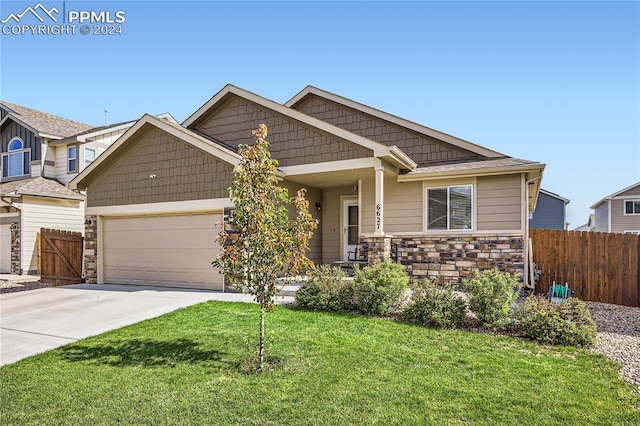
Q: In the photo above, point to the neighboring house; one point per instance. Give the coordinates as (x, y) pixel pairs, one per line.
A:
(40, 154)
(551, 211)
(589, 226)
(619, 212)
(438, 204)
(28, 200)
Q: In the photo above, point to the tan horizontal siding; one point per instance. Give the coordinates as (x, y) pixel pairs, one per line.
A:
(631, 192)
(313, 196)
(403, 209)
(332, 222)
(621, 222)
(61, 165)
(499, 203)
(368, 208)
(290, 142)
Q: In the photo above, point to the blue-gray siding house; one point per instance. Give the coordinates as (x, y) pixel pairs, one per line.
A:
(550, 211)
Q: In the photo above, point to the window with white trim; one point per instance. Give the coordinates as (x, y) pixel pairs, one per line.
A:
(17, 160)
(449, 208)
(631, 207)
(632, 232)
(89, 156)
(72, 159)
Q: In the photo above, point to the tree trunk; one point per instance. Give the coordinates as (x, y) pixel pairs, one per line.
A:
(261, 349)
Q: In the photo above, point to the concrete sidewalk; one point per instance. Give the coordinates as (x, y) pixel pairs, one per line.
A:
(39, 320)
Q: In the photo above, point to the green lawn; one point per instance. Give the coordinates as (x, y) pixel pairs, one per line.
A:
(183, 368)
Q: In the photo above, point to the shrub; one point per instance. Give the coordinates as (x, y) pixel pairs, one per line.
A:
(492, 293)
(324, 291)
(435, 306)
(568, 323)
(377, 289)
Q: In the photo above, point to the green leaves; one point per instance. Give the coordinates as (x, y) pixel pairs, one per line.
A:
(267, 243)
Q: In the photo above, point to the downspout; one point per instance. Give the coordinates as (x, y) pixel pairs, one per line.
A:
(527, 266)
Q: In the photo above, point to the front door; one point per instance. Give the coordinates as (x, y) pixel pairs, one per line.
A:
(350, 227)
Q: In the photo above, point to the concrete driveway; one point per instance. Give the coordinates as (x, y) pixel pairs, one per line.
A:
(38, 320)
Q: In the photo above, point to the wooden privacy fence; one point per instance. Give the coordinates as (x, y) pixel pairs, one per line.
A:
(599, 266)
(60, 256)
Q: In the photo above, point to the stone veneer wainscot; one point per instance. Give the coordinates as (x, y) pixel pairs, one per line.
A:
(15, 248)
(452, 258)
(91, 249)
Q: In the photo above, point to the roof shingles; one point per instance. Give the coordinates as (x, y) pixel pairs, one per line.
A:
(471, 165)
(39, 187)
(45, 123)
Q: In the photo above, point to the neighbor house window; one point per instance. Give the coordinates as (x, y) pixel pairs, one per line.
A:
(632, 207)
(72, 159)
(632, 232)
(89, 156)
(16, 161)
(449, 208)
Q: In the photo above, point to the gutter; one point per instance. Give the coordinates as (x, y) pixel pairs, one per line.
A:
(491, 171)
(402, 158)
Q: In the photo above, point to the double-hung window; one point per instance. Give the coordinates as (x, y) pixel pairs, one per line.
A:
(631, 207)
(89, 156)
(72, 159)
(16, 161)
(449, 208)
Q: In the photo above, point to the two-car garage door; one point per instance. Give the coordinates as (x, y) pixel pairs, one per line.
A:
(165, 250)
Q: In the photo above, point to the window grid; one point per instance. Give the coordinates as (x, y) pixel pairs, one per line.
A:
(72, 163)
(17, 161)
(632, 207)
(448, 208)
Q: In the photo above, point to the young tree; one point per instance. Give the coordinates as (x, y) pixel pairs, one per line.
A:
(269, 244)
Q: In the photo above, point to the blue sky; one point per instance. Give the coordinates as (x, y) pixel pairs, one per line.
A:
(555, 82)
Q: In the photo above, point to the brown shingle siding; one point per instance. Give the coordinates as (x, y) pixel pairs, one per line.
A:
(291, 142)
(182, 173)
(421, 148)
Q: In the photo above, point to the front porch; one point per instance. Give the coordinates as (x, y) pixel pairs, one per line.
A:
(366, 215)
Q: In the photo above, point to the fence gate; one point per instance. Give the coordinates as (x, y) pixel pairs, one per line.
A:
(60, 256)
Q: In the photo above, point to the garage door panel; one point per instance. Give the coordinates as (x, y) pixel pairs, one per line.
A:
(169, 250)
(160, 238)
(161, 259)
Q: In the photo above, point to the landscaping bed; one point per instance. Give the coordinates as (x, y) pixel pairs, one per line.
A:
(16, 286)
(619, 337)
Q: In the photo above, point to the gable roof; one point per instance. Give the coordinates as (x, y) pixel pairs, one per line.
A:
(96, 131)
(38, 187)
(392, 154)
(407, 124)
(551, 194)
(174, 129)
(41, 123)
(615, 194)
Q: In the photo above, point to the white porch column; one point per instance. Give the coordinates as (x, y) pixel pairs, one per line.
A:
(379, 207)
